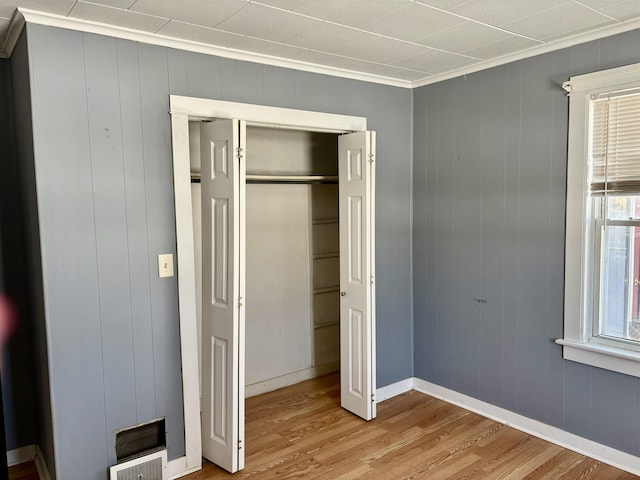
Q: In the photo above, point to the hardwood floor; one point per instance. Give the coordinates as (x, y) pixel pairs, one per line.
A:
(301, 432)
(24, 471)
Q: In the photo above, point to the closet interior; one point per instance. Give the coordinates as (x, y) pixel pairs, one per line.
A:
(292, 302)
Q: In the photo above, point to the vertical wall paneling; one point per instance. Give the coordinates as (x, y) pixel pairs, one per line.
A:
(431, 232)
(585, 58)
(136, 230)
(491, 342)
(62, 153)
(578, 378)
(559, 114)
(520, 243)
(18, 370)
(7, 177)
(177, 66)
(511, 267)
(75, 184)
(304, 90)
(385, 113)
(24, 154)
(533, 235)
(112, 256)
(419, 232)
(161, 237)
(467, 232)
(612, 423)
(278, 85)
(250, 82)
(445, 191)
(616, 51)
(228, 80)
(578, 389)
(203, 76)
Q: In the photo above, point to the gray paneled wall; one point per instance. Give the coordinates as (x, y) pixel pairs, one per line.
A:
(23, 136)
(105, 195)
(18, 373)
(490, 153)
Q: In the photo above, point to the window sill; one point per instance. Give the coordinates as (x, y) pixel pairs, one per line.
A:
(616, 359)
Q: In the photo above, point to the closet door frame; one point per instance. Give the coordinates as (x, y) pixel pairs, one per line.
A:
(182, 110)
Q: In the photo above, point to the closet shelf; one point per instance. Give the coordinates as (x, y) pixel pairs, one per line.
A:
(326, 324)
(324, 221)
(326, 290)
(292, 179)
(318, 256)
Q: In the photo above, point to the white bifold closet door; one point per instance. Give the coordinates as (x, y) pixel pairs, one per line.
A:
(356, 155)
(223, 281)
(223, 184)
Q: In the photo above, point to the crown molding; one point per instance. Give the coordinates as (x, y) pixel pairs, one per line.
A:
(24, 15)
(52, 20)
(597, 34)
(16, 25)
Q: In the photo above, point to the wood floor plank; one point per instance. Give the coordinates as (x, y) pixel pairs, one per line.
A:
(24, 471)
(301, 432)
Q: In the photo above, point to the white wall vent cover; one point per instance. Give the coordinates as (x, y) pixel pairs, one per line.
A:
(147, 467)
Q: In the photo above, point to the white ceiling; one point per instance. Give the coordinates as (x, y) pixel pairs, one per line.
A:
(410, 42)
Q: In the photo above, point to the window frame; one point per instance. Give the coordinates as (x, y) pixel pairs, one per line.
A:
(582, 242)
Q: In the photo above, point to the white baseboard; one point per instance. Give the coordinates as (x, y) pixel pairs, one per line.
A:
(178, 468)
(570, 441)
(289, 379)
(41, 466)
(21, 455)
(27, 454)
(390, 391)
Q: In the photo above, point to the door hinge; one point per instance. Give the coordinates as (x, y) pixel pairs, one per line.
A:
(239, 153)
(371, 158)
(373, 398)
(239, 302)
(372, 280)
(239, 444)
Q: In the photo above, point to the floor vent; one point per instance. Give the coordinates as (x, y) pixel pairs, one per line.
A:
(147, 467)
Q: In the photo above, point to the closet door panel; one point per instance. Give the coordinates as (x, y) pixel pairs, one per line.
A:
(222, 186)
(357, 312)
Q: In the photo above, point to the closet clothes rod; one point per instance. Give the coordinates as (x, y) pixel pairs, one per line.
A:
(274, 179)
(304, 179)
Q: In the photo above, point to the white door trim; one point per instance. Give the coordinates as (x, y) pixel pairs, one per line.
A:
(183, 109)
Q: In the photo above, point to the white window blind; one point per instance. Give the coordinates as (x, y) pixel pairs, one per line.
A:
(614, 145)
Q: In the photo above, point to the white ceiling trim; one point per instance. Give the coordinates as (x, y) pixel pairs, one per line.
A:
(596, 34)
(52, 20)
(10, 40)
(32, 16)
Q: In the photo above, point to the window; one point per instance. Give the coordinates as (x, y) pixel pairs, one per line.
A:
(602, 256)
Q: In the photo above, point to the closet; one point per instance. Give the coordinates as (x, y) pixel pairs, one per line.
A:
(275, 238)
(292, 257)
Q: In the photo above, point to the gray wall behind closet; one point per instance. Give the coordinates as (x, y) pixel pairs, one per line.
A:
(105, 202)
(490, 154)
